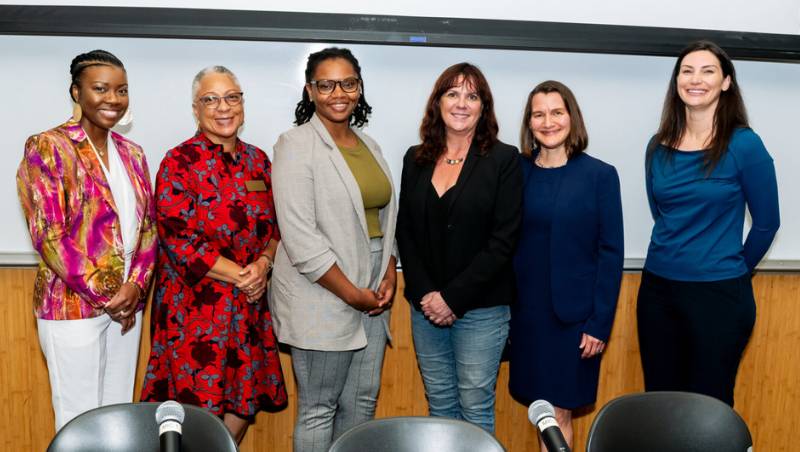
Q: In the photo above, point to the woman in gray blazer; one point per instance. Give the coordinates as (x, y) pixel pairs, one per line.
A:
(334, 276)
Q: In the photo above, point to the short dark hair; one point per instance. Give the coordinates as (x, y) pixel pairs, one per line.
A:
(578, 138)
(305, 108)
(730, 114)
(93, 58)
(432, 131)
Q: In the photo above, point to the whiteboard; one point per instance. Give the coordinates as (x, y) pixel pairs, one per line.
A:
(620, 95)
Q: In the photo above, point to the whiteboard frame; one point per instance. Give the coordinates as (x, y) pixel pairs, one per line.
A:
(186, 23)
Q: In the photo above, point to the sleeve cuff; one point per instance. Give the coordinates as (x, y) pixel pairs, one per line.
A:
(320, 266)
(197, 268)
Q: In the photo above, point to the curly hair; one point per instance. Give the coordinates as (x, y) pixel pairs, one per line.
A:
(306, 108)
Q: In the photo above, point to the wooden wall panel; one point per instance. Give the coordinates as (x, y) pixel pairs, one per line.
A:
(25, 409)
(767, 392)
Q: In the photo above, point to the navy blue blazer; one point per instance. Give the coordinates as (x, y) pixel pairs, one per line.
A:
(586, 244)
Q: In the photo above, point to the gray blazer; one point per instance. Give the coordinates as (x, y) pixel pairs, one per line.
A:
(322, 222)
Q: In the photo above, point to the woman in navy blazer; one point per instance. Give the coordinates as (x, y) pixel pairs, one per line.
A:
(569, 259)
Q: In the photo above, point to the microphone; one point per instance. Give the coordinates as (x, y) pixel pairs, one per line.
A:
(169, 417)
(542, 415)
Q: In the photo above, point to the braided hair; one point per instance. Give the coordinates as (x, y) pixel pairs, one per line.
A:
(88, 59)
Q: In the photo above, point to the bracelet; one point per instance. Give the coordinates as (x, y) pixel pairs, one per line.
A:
(139, 291)
(269, 261)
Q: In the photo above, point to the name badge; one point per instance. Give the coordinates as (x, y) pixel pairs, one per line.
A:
(255, 185)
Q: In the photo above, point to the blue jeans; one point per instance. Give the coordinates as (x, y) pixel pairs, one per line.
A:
(459, 363)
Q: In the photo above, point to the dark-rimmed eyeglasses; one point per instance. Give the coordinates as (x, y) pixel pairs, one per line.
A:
(348, 85)
(212, 101)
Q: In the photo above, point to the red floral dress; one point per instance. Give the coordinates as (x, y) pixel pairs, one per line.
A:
(210, 347)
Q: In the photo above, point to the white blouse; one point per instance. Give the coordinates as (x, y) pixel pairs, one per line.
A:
(125, 199)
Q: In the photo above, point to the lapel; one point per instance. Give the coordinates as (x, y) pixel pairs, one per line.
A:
(423, 184)
(473, 157)
(340, 165)
(135, 177)
(88, 159)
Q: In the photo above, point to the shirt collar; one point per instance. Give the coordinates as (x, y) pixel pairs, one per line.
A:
(217, 148)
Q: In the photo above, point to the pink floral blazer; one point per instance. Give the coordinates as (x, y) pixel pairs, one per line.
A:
(74, 225)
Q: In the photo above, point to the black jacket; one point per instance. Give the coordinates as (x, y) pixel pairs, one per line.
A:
(484, 218)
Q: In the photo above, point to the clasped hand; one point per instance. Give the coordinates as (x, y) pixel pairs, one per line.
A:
(374, 302)
(122, 306)
(436, 309)
(253, 279)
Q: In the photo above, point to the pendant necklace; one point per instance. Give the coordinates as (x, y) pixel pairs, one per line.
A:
(100, 152)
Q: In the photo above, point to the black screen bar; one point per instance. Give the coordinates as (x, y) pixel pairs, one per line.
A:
(387, 30)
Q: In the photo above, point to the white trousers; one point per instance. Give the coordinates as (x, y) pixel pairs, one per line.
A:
(90, 363)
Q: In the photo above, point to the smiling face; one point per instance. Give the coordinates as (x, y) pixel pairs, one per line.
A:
(335, 107)
(550, 121)
(460, 107)
(221, 123)
(102, 95)
(700, 80)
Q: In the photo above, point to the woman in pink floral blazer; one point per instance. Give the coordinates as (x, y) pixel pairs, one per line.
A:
(87, 198)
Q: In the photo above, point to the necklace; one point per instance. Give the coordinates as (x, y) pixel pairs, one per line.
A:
(538, 162)
(454, 161)
(101, 151)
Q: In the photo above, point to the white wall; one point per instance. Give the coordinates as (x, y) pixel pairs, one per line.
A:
(620, 95)
(762, 16)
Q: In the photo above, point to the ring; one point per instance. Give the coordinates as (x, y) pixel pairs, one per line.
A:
(122, 312)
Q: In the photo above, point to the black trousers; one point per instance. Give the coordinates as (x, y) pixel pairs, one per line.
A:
(692, 334)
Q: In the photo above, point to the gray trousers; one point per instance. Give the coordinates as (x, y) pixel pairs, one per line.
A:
(337, 390)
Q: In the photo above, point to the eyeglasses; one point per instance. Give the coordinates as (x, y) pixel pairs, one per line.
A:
(212, 101)
(348, 85)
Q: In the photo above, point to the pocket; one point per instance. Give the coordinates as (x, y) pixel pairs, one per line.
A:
(583, 284)
(258, 199)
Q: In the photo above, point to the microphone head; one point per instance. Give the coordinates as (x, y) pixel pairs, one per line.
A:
(169, 411)
(540, 409)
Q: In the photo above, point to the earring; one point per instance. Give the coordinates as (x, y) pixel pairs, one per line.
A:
(77, 112)
(126, 119)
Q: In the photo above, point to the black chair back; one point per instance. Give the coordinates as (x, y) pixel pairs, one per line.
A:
(414, 434)
(668, 422)
(131, 427)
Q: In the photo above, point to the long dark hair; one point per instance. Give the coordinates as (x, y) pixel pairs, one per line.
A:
(577, 139)
(305, 108)
(93, 58)
(432, 132)
(729, 115)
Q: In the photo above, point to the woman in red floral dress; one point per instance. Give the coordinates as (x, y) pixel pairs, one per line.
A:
(212, 339)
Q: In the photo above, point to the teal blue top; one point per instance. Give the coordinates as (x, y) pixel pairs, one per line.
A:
(699, 218)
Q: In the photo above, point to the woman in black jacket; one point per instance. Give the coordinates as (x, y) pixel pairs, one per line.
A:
(459, 216)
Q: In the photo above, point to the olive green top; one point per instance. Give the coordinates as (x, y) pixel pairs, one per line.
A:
(372, 181)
